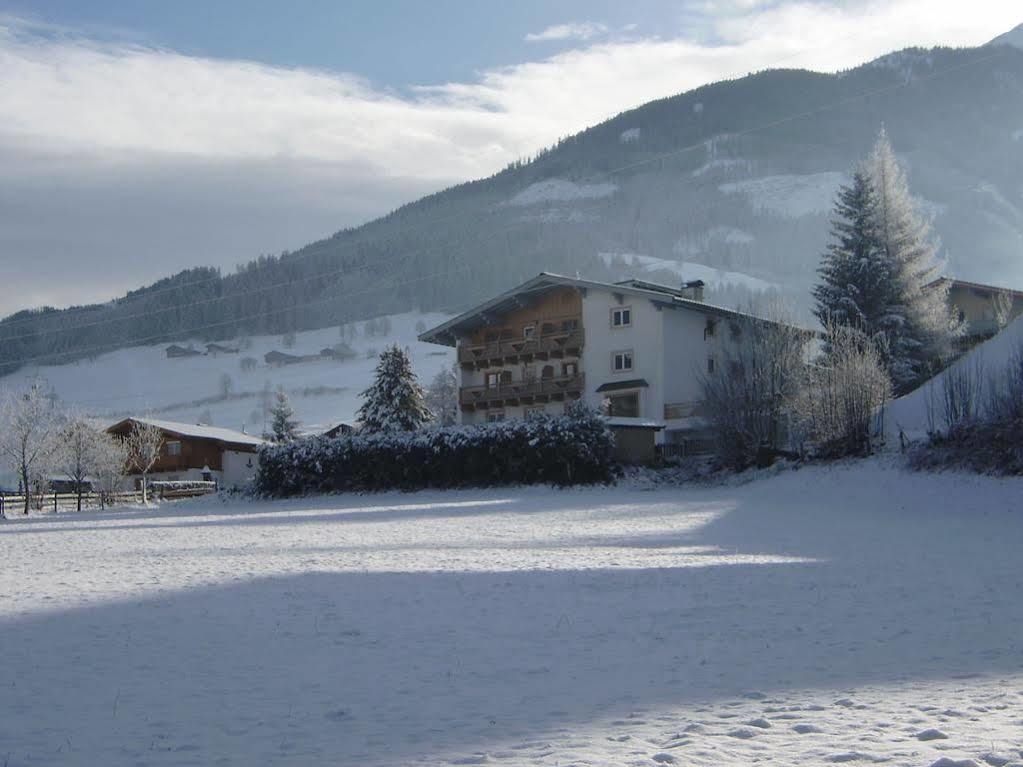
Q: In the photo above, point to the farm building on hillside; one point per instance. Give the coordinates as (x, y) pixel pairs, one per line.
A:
(277, 359)
(174, 351)
(197, 452)
(636, 349)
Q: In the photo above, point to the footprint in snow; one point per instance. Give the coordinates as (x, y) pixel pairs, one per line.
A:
(806, 729)
(743, 733)
(759, 723)
(931, 734)
(946, 761)
(663, 758)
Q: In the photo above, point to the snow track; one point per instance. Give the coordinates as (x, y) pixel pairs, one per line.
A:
(820, 616)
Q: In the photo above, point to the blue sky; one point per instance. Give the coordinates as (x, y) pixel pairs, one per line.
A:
(140, 138)
(393, 43)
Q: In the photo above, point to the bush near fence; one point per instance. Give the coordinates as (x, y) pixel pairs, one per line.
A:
(556, 450)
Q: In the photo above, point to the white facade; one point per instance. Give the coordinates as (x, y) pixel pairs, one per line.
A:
(645, 353)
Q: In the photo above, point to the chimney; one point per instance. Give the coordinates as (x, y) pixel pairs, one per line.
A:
(693, 290)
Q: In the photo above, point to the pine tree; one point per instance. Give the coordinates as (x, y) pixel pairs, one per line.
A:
(284, 426)
(874, 273)
(916, 322)
(852, 273)
(395, 400)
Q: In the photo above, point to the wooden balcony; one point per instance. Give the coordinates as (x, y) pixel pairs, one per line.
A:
(510, 351)
(522, 392)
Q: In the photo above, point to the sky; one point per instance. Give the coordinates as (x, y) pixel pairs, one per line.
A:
(140, 137)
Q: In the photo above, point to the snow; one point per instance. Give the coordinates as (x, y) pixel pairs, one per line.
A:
(687, 270)
(204, 432)
(790, 195)
(850, 607)
(629, 136)
(908, 413)
(559, 190)
(323, 393)
(721, 163)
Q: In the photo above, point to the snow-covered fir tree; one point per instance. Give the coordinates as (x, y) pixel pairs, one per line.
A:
(394, 402)
(875, 273)
(284, 427)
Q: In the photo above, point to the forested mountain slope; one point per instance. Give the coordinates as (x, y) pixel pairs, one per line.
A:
(738, 176)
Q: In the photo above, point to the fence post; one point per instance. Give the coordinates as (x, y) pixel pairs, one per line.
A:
(54, 501)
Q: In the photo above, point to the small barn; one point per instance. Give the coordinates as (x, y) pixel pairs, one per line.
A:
(278, 359)
(175, 351)
(216, 349)
(199, 452)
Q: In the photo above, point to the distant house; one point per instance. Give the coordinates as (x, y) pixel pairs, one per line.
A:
(341, 430)
(197, 452)
(215, 349)
(277, 359)
(174, 351)
(986, 309)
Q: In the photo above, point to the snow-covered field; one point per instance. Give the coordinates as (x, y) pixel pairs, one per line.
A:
(141, 380)
(848, 614)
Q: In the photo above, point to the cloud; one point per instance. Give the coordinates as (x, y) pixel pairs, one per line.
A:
(584, 30)
(124, 162)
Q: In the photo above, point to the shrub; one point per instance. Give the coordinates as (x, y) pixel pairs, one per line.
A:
(575, 448)
(845, 393)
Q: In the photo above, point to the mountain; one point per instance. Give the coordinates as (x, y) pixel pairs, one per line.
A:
(733, 179)
(1012, 37)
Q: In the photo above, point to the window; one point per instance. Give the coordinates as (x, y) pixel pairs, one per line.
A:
(529, 331)
(569, 368)
(710, 365)
(621, 361)
(569, 326)
(533, 412)
(495, 415)
(623, 405)
(173, 448)
(621, 317)
(493, 380)
(708, 331)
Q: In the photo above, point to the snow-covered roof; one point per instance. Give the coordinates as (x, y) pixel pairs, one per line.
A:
(664, 295)
(625, 422)
(198, 431)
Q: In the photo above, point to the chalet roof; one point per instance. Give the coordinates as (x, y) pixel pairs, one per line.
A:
(475, 318)
(195, 431)
(975, 285)
(632, 383)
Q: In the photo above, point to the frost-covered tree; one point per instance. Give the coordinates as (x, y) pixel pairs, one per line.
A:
(144, 443)
(29, 425)
(284, 427)
(109, 464)
(76, 453)
(442, 397)
(877, 272)
(395, 400)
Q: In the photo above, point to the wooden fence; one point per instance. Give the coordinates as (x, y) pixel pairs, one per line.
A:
(56, 502)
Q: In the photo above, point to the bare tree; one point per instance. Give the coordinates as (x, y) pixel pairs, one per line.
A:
(248, 364)
(110, 462)
(225, 385)
(846, 391)
(28, 427)
(442, 397)
(748, 398)
(144, 443)
(1001, 308)
(76, 453)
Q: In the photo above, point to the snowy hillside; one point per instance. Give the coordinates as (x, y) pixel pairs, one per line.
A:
(910, 412)
(142, 380)
(686, 270)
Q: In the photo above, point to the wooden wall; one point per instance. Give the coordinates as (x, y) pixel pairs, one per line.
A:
(558, 304)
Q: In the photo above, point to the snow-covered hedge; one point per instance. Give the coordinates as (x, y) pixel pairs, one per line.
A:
(558, 450)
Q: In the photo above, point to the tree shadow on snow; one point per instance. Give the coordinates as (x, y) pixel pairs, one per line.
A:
(360, 668)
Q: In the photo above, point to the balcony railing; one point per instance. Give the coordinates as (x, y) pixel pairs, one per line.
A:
(552, 345)
(521, 392)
